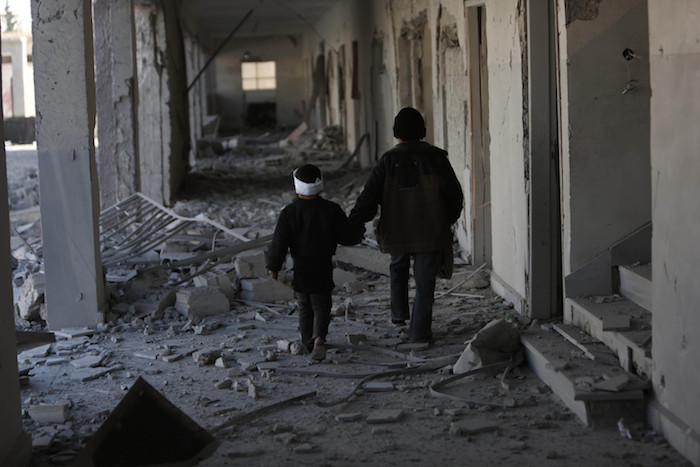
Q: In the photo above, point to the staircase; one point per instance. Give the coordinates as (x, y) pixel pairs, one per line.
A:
(599, 360)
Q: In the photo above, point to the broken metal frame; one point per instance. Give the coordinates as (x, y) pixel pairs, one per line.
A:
(138, 224)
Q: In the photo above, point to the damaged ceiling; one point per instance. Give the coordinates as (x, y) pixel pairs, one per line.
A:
(270, 17)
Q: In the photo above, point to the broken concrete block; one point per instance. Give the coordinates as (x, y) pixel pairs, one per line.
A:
(74, 333)
(356, 339)
(57, 413)
(216, 279)
(172, 357)
(37, 352)
(176, 252)
(147, 354)
(342, 277)
(252, 391)
(283, 344)
(89, 361)
(385, 416)
(378, 386)
(206, 357)
(348, 417)
(471, 427)
(250, 362)
(56, 361)
(616, 322)
(297, 348)
(224, 384)
(305, 448)
(251, 264)
(32, 297)
(363, 257)
(201, 301)
(88, 374)
(265, 290)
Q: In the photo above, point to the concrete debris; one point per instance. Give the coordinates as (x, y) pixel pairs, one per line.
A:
(216, 279)
(378, 386)
(74, 333)
(58, 413)
(201, 301)
(37, 352)
(342, 277)
(363, 257)
(385, 416)
(356, 339)
(265, 290)
(148, 354)
(32, 297)
(89, 361)
(224, 384)
(305, 448)
(348, 417)
(471, 427)
(252, 391)
(206, 357)
(614, 384)
(251, 264)
(297, 348)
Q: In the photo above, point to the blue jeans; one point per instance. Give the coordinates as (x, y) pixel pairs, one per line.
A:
(425, 266)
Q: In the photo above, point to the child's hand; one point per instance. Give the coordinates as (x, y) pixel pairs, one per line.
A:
(272, 274)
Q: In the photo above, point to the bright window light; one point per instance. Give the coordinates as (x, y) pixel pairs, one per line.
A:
(258, 75)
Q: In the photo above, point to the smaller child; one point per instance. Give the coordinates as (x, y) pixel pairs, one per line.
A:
(310, 228)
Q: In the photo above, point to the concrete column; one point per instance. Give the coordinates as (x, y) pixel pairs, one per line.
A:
(18, 50)
(65, 101)
(117, 129)
(163, 109)
(15, 445)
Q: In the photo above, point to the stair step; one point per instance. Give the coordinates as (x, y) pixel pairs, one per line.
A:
(635, 284)
(604, 319)
(574, 378)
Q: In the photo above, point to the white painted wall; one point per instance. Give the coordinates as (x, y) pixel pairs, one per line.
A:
(674, 48)
(606, 151)
(508, 191)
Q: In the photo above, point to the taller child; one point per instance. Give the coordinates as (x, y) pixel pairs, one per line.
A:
(421, 198)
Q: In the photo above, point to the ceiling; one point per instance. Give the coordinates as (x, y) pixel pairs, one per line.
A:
(217, 18)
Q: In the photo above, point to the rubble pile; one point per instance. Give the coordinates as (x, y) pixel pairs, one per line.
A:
(197, 318)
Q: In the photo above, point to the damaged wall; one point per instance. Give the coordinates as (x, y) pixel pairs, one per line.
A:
(607, 158)
(508, 185)
(674, 49)
(229, 100)
(163, 120)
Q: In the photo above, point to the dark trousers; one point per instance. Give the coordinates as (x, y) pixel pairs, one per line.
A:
(425, 266)
(314, 316)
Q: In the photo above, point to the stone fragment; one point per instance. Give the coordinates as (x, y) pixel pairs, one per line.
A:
(283, 344)
(251, 263)
(378, 386)
(43, 441)
(385, 416)
(32, 297)
(252, 391)
(74, 333)
(55, 413)
(37, 352)
(342, 277)
(348, 417)
(88, 374)
(56, 361)
(224, 384)
(297, 348)
(172, 357)
(89, 361)
(265, 290)
(206, 357)
(147, 354)
(249, 362)
(363, 257)
(305, 448)
(356, 339)
(471, 427)
(201, 301)
(217, 279)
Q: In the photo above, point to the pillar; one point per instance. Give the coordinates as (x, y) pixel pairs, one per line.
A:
(117, 129)
(65, 103)
(19, 73)
(15, 445)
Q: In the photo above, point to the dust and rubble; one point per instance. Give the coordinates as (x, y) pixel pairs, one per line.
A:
(193, 315)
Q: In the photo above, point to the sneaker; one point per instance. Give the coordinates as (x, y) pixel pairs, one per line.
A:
(318, 353)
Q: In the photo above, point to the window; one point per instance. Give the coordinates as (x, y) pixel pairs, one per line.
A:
(258, 75)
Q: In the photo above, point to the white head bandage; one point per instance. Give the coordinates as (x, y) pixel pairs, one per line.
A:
(308, 189)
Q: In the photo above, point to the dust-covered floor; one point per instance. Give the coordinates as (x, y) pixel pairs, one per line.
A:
(220, 369)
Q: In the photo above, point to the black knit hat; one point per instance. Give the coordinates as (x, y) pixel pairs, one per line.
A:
(409, 125)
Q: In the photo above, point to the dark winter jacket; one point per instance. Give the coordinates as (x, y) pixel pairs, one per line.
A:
(420, 198)
(311, 229)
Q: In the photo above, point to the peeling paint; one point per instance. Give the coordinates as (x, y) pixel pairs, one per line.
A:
(582, 10)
